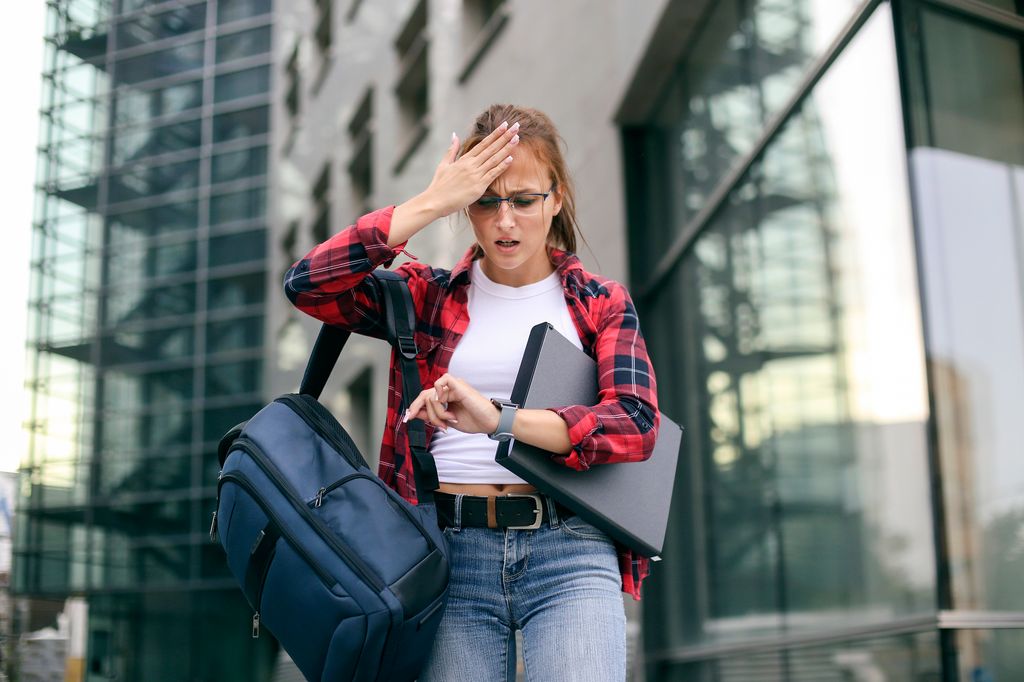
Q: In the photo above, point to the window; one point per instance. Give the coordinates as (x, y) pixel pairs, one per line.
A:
(294, 80)
(412, 86)
(233, 10)
(323, 32)
(482, 21)
(238, 84)
(243, 44)
(322, 204)
(360, 167)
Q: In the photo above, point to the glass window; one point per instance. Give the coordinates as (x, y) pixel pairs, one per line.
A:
(243, 44)
(788, 341)
(244, 205)
(238, 124)
(967, 162)
(243, 163)
(910, 657)
(231, 378)
(241, 84)
(158, 64)
(238, 247)
(146, 180)
(241, 290)
(235, 334)
(745, 63)
(141, 303)
(139, 143)
(138, 107)
(233, 10)
(142, 29)
(132, 226)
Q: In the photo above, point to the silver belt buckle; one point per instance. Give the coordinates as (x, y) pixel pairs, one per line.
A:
(538, 512)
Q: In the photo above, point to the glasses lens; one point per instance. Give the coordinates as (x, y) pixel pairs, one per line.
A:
(485, 206)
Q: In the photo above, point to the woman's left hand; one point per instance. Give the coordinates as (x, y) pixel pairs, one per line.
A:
(453, 402)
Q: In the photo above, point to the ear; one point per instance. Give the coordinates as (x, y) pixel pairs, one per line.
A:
(557, 199)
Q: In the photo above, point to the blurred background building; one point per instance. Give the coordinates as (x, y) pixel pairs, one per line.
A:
(817, 205)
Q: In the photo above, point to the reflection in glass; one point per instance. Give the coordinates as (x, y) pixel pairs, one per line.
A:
(742, 67)
(909, 658)
(794, 321)
(968, 168)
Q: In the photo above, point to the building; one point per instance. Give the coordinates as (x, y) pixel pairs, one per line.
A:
(145, 333)
(816, 204)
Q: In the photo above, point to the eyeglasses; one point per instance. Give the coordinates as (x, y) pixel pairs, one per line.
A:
(525, 204)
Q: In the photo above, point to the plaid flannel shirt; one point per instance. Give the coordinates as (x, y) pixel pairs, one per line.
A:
(330, 283)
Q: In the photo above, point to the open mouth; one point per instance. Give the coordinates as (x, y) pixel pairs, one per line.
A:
(507, 243)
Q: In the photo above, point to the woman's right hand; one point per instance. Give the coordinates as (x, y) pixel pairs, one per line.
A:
(458, 182)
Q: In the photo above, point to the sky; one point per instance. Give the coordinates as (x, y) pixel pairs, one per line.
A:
(21, 52)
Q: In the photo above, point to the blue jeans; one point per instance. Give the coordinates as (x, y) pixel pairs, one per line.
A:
(559, 584)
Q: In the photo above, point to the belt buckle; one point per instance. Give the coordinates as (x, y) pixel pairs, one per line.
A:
(538, 512)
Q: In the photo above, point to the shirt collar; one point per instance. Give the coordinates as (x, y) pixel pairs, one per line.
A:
(567, 265)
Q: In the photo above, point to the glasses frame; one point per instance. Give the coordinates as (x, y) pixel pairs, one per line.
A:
(498, 201)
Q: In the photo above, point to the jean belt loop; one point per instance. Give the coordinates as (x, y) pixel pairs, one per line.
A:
(458, 511)
(552, 512)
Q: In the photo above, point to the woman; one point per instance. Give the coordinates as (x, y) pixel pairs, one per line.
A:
(560, 582)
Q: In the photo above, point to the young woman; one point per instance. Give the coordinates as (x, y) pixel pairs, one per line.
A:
(560, 582)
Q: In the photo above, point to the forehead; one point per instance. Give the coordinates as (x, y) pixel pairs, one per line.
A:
(527, 173)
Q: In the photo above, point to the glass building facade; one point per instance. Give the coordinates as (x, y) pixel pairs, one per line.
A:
(146, 325)
(827, 201)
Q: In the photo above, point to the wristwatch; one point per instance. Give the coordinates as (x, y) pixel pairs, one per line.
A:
(507, 415)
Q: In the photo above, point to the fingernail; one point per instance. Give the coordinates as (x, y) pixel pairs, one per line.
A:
(504, 125)
(515, 126)
(515, 139)
(405, 417)
(436, 398)
(508, 160)
(453, 137)
(453, 421)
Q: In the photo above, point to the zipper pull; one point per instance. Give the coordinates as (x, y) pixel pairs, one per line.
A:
(213, 527)
(319, 497)
(256, 625)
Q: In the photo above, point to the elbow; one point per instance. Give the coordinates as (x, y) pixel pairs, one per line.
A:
(296, 281)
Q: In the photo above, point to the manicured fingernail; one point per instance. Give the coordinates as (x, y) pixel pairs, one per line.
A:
(453, 421)
(405, 417)
(453, 137)
(436, 398)
(515, 126)
(515, 140)
(504, 125)
(508, 160)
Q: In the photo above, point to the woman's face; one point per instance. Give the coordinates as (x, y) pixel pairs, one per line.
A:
(514, 243)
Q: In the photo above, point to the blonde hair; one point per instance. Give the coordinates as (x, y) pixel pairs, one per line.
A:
(537, 132)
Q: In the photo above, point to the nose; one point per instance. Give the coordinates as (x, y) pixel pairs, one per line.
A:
(505, 217)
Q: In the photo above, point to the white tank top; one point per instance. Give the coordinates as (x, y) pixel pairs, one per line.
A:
(488, 357)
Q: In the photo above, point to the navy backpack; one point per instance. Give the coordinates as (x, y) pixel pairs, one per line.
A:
(349, 577)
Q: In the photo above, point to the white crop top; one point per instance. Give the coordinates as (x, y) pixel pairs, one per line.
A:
(488, 357)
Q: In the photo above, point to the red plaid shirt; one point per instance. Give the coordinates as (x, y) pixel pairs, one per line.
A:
(330, 284)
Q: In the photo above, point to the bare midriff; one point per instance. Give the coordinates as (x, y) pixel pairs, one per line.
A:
(486, 489)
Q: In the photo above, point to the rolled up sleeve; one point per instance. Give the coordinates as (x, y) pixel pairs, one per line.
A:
(623, 425)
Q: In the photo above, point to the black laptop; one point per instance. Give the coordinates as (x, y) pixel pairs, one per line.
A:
(628, 501)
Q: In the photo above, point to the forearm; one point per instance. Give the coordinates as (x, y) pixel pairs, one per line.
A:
(543, 429)
(411, 217)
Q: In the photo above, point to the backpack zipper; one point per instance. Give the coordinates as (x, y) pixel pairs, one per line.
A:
(243, 481)
(351, 558)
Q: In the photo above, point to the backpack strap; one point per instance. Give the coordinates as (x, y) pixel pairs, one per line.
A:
(400, 316)
(401, 325)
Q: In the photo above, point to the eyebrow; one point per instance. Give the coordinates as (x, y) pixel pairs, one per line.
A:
(516, 191)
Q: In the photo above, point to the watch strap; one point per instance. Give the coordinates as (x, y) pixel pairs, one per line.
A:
(507, 415)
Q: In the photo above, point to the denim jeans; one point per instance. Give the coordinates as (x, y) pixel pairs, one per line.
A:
(558, 584)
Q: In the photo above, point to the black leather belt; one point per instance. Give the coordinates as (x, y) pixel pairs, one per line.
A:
(518, 511)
